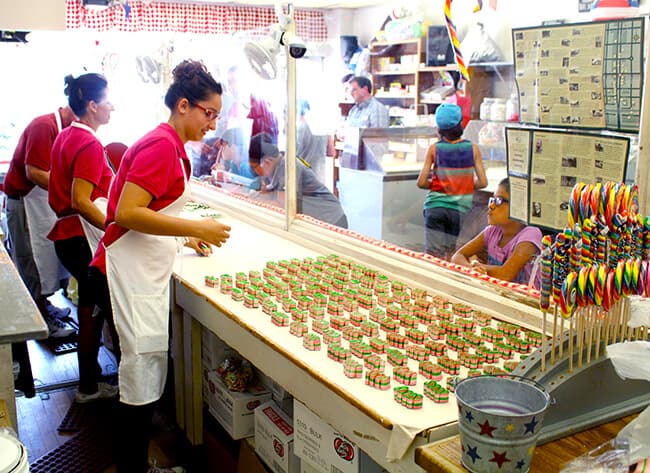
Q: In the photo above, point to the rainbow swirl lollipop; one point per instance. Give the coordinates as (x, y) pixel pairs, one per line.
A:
(568, 295)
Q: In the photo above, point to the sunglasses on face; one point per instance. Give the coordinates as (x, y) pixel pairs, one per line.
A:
(497, 201)
(210, 113)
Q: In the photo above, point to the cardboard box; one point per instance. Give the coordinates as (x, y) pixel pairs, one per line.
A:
(234, 410)
(274, 439)
(307, 468)
(323, 448)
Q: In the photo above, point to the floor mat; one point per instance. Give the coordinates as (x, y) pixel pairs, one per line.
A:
(80, 416)
(90, 451)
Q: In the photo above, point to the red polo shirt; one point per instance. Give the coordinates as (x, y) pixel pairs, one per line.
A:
(34, 146)
(77, 153)
(153, 163)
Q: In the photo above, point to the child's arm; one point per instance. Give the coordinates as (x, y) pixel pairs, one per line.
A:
(423, 179)
(481, 178)
(508, 271)
(469, 249)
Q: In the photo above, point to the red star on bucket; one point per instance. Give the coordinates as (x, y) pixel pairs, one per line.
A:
(499, 458)
(486, 428)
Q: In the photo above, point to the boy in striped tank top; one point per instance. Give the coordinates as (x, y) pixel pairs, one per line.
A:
(452, 170)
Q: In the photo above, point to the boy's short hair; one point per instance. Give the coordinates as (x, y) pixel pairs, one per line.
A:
(262, 146)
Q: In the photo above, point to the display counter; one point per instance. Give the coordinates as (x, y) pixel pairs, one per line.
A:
(377, 183)
(378, 180)
(444, 456)
(367, 416)
(20, 320)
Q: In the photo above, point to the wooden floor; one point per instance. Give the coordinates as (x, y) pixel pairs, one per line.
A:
(56, 378)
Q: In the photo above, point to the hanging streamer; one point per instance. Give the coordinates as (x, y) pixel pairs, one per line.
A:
(453, 37)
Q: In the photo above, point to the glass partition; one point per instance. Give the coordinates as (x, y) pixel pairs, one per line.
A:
(366, 185)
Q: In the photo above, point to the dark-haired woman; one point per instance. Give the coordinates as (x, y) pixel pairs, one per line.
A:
(456, 169)
(136, 255)
(80, 178)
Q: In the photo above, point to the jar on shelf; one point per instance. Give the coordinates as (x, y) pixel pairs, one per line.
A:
(498, 110)
(512, 108)
(484, 110)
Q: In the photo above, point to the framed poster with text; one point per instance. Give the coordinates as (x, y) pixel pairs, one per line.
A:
(557, 161)
(581, 75)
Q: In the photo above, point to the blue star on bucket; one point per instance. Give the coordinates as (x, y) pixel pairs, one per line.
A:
(520, 465)
(469, 416)
(473, 454)
(530, 427)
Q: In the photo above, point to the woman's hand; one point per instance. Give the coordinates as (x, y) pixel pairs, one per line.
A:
(202, 248)
(213, 232)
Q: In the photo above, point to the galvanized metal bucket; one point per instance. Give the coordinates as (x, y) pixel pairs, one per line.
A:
(499, 419)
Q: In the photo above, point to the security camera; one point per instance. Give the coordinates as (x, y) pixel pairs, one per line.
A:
(296, 46)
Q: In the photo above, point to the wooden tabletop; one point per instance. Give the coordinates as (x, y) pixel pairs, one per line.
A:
(19, 316)
(444, 456)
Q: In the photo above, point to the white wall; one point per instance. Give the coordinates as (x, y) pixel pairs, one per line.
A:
(32, 14)
(498, 24)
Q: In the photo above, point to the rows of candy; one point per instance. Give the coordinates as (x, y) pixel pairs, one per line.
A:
(601, 257)
(369, 322)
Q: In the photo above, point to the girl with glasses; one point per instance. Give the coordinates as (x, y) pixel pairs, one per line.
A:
(134, 260)
(511, 246)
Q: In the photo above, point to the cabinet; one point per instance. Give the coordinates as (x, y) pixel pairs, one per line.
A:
(402, 62)
(399, 76)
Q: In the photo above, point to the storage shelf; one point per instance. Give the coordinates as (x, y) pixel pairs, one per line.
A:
(395, 73)
(409, 97)
(449, 67)
(397, 42)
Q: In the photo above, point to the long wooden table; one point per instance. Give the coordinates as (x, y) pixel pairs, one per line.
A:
(444, 456)
(19, 320)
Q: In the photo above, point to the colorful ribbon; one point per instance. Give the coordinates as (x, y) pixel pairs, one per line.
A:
(453, 37)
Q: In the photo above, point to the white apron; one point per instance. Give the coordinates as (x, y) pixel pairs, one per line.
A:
(138, 268)
(40, 220)
(92, 233)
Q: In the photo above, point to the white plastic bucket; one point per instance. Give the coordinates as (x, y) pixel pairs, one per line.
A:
(13, 455)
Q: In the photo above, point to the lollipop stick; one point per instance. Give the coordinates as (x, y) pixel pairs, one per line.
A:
(543, 341)
(554, 340)
(599, 330)
(590, 332)
(571, 322)
(580, 334)
(561, 337)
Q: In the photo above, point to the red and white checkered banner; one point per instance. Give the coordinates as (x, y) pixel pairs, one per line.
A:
(188, 18)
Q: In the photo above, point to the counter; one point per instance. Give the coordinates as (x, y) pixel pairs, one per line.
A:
(19, 320)
(444, 456)
(369, 417)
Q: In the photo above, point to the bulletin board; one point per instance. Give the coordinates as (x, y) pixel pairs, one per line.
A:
(581, 75)
(544, 165)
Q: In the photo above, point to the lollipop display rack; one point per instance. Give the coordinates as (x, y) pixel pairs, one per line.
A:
(588, 273)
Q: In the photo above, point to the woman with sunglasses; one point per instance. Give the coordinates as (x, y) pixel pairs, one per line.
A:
(136, 255)
(80, 177)
(511, 246)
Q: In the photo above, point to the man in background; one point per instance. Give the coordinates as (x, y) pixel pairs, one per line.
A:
(367, 112)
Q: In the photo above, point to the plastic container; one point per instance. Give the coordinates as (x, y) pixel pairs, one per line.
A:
(512, 108)
(484, 110)
(498, 110)
(13, 454)
(499, 418)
